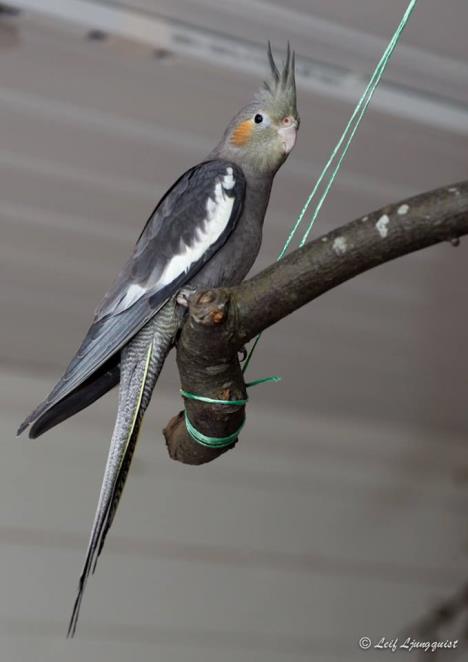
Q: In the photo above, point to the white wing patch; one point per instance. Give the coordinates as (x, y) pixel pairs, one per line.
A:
(228, 179)
(218, 213)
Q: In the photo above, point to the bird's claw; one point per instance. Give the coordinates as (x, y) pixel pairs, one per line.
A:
(242, 353)
(184, 295)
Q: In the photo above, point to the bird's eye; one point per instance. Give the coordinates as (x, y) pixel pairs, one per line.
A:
(258, 119)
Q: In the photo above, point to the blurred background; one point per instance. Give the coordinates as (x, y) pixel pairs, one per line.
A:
(342, 511)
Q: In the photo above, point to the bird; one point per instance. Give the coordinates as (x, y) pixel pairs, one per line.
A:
(205, 232)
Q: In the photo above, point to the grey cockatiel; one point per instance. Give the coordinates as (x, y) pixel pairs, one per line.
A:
(205, 232)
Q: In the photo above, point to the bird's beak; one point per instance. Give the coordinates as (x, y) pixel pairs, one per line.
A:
(288, 135)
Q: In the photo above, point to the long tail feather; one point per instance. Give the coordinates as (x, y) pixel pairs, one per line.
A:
(141, 362)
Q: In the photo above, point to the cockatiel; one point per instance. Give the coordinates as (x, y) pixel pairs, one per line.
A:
(205, 232)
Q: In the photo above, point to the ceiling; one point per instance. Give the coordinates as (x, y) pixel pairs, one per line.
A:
(342, 510)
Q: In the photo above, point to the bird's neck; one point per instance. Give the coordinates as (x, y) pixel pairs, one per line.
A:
(251, 171)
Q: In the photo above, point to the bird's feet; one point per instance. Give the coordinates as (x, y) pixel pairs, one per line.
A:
(184, 295)
(242, 354)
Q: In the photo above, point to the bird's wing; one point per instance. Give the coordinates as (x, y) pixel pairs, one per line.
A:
(191, 222)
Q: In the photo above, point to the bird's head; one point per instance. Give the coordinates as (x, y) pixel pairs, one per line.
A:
(263, 133)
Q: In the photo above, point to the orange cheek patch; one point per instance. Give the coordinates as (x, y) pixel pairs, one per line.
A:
(242, 133)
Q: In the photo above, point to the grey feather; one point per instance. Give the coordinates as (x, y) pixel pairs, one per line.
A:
(274, 69)
(141, 363)
(102, 381)
(285, 72)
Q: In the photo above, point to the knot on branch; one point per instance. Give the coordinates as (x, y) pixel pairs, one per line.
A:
(209, 308)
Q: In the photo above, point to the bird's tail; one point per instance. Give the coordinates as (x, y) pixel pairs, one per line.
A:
(141, 363)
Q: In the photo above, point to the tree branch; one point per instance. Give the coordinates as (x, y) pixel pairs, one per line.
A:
(221, 321)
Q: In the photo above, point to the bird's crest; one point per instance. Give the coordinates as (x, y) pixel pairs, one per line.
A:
(279, 91)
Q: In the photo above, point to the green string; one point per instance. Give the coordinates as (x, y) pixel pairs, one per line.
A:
(211, 442)
(219, 442)
(212, 401)
(346, 139)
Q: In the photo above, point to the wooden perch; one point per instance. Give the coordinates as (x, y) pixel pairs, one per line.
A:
(221, 321)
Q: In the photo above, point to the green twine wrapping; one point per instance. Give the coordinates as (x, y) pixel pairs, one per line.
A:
(219, 442)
